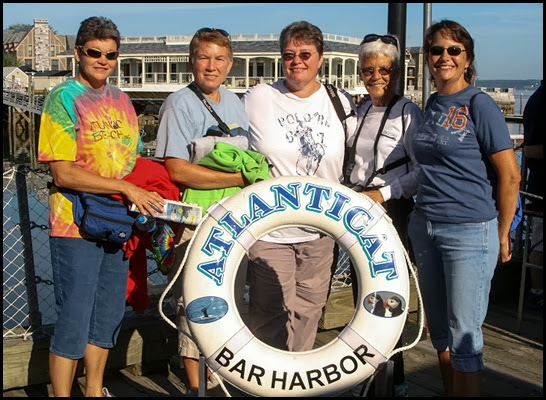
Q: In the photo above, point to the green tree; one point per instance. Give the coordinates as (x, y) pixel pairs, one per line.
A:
(10, 60)
(20, 27)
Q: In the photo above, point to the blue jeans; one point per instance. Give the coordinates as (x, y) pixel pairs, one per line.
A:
(90, 281)
(455, 264)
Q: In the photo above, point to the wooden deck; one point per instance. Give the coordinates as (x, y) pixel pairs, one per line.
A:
(514, 361)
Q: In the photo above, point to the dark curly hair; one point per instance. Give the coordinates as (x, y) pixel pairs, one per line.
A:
(97, 28)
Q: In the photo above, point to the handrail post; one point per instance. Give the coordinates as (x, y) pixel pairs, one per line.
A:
(35, 317)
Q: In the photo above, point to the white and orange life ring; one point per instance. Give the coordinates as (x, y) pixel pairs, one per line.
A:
(359, 225)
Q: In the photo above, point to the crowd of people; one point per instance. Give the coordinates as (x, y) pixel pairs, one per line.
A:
(447, 176)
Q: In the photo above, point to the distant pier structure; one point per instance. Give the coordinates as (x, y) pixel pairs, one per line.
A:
(504, 97)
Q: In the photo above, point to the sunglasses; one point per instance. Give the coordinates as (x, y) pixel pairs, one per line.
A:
(451, 50)
(208, 30)
(368, 71)
(94, 53)
(304, 55)
(372, 37)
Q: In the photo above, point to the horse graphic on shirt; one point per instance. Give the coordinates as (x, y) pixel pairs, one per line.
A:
(311, 151)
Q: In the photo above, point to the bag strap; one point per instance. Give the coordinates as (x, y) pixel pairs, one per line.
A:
(400, 161)
(221, 124)
(350, 163)
(340, 111)
(336, 101)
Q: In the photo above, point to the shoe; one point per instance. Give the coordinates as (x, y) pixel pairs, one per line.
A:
(191, 392)
(535, 299)
(358, 390)
(401, 390)
(213, 382)
(106, 393)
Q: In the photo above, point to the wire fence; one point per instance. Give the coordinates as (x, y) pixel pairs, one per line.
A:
(28, 297)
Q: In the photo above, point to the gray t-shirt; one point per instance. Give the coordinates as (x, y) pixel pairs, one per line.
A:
(183, 118)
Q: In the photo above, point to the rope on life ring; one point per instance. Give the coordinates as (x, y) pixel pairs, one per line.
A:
(359, 225)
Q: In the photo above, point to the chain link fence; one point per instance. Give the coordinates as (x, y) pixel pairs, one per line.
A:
(28, 298)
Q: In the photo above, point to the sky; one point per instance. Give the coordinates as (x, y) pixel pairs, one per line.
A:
(508, 37)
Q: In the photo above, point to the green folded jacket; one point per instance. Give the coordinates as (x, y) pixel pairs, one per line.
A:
(228, 158)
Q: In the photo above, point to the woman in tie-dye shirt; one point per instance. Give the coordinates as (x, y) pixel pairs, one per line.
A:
(89, 136)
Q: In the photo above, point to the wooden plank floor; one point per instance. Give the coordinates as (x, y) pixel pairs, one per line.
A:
(514, 361)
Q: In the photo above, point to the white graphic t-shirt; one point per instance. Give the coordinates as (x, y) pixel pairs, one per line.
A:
(299, 136)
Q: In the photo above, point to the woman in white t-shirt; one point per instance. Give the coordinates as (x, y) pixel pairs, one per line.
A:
(294, 123)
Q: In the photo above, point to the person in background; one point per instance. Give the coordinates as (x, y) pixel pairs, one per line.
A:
(386, 125)
(458, 232)
(294, 124)
(89, 137)
(533, 148)
(183, 118)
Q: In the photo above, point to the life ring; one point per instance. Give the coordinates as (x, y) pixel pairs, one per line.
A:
(359, 225)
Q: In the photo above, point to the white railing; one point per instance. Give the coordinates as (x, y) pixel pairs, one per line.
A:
(237, 37)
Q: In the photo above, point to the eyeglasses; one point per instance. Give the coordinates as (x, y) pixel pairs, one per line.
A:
(208, 30)
(383, 71)
(451, 50)
(94, 53)
(304, 55)
(372, 37)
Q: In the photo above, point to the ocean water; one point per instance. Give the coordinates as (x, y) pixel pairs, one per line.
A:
(521, 97)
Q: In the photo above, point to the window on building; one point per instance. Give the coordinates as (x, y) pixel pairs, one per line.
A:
(250, 69)
(52, 51)
(28, 63)
(260, 69)
(54, 65)
(29, 50)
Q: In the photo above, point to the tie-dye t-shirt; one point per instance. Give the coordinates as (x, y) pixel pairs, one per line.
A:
(95, 128)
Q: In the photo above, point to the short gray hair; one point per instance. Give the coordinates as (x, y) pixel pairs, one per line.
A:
(379, 47)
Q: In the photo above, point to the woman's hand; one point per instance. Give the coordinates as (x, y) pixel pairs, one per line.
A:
(375, 195)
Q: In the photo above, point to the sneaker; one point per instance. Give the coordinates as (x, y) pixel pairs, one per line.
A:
(191, 392)
(213, 381)
(106, 393)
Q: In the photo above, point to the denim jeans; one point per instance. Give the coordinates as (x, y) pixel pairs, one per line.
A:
(90, 281)
(455, 265)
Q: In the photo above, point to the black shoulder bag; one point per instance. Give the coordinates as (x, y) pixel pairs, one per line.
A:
(221, 124)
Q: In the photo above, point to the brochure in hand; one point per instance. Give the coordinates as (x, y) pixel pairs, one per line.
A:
(177, 211)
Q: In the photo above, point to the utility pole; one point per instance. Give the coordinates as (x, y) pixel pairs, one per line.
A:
(427, 21)
(396, 25)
